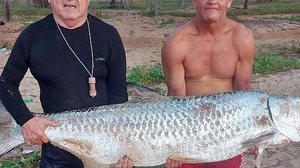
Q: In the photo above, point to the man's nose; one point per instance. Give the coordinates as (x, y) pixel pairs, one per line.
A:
(212, 2)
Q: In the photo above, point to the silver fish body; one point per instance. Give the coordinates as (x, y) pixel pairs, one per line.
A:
(190, 129)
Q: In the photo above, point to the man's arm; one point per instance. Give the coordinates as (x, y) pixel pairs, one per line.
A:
(116, 82)
(172, 62)
(245, 44)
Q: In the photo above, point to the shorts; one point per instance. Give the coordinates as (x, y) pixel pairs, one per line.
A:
(235, 162)
(54, 157)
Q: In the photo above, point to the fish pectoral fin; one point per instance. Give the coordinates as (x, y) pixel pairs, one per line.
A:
(257, 140)
(185, 159)
(76, 146)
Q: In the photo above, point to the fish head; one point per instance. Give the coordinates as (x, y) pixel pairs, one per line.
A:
(285, 113)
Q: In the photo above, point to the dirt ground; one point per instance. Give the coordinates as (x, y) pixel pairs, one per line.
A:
(143, 38)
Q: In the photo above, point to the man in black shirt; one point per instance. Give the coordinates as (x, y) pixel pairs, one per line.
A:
(79, 62)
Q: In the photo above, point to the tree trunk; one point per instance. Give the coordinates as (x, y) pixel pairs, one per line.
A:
(29, 5)
(246, 4)
(44, 3)
(113, 4)
(126, 5)
(3, 4)
(155, 8)
(7, 10)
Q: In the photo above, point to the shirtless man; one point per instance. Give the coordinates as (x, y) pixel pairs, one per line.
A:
(209, 54)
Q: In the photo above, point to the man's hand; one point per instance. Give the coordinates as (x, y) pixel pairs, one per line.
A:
(253, 150)
(173, 163)
(124, 163)
(33, 130)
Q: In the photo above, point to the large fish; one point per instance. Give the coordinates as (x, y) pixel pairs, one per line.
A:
(191, 129)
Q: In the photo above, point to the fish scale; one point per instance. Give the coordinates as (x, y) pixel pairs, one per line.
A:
(191, 129)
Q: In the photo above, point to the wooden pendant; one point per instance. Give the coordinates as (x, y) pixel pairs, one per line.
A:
(92, 85)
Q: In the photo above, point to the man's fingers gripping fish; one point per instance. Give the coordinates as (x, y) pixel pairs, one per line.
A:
(190, 129)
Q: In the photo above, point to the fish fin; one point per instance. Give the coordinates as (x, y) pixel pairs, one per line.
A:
(256, 140)
(259, 156)
(14, 138)
(97, 165)
(184, 159)
(9, 144)
(140, 89)
(143, 92)
(287, 129)
(75, 146)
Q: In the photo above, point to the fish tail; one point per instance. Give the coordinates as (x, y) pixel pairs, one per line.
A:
(9, 144)
(10, 132)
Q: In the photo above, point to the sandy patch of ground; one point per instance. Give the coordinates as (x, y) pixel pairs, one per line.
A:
(143, 38)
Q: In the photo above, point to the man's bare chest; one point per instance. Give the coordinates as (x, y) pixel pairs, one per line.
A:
(215, 60)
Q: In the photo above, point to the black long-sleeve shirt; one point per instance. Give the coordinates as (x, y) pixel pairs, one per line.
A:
(62, 79)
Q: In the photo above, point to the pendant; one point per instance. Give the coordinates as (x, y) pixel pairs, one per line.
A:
(92, 85)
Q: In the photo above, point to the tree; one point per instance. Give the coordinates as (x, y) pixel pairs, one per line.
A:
(44, 3)
(29, 5)
(155, 8)
(3, 3)
(7, 10)
(113, 4)
(180, 2)
(126, 5)
(246, 4)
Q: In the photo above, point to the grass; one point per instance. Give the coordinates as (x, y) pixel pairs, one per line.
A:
(268, 8)
(30, 161)
(166, 22)
(289, 18)
(27, 20)
(272, 63)
(146, 76)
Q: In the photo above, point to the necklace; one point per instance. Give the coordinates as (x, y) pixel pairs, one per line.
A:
(91, 79)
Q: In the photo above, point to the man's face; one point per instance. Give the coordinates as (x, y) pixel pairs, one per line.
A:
(69, 10)
(211, 10)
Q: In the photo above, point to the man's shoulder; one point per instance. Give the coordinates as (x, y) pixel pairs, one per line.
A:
(239, 30)
(181, 34)
(101, 25)
(41, 23)
(243, 39)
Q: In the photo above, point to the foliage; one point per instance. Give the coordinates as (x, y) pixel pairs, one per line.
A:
(289, 18)
(143, 75)
(269, 8)
(27, 162)
(27, 20)
(271, 63)
(21, 10)
(160, 90)
(167, 22)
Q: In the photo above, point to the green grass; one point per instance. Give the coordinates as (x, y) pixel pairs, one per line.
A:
(160, 90)
(27, 20)
(289, 18)
(166, 22)
(271, 63)
(26, 162)
(21, 10)
(143, 75)
(268, 8)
